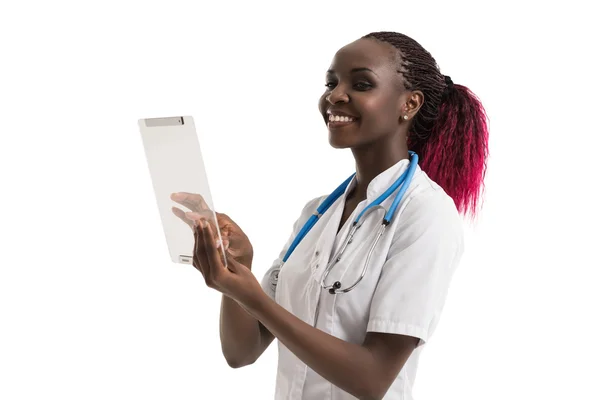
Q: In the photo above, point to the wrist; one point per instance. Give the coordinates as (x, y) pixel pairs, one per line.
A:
(257, 304)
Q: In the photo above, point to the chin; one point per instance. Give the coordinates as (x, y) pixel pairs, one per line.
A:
(344, 138)
(338, 142)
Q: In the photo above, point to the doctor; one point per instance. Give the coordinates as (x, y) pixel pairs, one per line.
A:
(351, 319)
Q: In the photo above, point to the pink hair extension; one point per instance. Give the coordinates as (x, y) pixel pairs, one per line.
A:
(450, 131)
(455, 153)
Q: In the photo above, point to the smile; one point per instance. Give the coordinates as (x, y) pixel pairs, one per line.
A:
(340, 118)
(340, 121)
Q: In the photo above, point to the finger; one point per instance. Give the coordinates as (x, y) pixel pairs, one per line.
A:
(195, 216)
(195, 261)
(212, 253)
(209, 217)
(223, 217)
(236, 252)
(233, 264)
(200, 260)
(193, 201)
(226, 235)
(181, 215)
(195, 254)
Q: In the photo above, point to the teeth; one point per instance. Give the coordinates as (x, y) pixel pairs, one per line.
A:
(338, 118)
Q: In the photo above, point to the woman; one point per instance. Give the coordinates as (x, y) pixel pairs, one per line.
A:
(384, 99)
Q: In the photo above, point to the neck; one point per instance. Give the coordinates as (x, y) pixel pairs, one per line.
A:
(372, 161)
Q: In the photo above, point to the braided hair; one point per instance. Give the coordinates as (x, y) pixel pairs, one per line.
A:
(450, 130)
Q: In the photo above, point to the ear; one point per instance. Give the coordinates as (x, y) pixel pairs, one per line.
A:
(411, 104)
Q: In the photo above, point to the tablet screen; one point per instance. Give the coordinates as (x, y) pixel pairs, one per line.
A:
(176, 166)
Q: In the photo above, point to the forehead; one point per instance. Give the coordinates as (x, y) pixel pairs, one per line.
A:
(366, 53)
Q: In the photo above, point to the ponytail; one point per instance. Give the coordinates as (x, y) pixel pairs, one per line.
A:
(450, 130)
(455, 151)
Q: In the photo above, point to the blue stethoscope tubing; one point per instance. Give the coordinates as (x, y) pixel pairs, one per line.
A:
(403, 182)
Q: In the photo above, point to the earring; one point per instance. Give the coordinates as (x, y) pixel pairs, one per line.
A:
(405, 117)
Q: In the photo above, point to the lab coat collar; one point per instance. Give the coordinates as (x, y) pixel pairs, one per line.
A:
(382, 182)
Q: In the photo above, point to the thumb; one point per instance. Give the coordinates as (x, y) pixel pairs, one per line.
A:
(233, 265)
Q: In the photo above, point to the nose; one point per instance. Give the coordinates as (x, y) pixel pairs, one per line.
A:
(338, 94)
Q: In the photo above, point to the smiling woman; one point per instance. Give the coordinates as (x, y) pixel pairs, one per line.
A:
(393, 227)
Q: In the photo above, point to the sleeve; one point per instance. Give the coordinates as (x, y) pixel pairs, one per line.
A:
(269, 279)
(415, 278)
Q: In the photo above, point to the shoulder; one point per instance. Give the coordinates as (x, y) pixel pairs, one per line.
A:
(308, 209)
(429, 213)
(428, 200)
(312, 205)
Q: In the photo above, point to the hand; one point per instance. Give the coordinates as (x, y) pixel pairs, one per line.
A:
(235, 281)
(234, 239)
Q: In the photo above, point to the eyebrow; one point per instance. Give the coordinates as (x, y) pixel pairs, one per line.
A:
(354, 70)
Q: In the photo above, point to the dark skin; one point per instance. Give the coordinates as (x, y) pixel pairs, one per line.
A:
(362, 82)
(250, 320)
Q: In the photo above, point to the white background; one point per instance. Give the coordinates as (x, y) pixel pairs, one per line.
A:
(92, 308)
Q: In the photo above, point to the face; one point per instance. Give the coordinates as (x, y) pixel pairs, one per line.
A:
(364, 100)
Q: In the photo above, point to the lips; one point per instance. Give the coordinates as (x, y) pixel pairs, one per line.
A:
(341, 113)
(339, 118)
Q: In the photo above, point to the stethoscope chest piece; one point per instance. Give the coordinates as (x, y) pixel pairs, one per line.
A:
(335, 287)
(401, 184)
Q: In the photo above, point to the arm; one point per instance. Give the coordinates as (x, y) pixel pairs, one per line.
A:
(409, 297)
(243, 338)
(366, 371)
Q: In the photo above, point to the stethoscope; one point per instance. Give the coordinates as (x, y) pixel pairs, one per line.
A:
(403, 181)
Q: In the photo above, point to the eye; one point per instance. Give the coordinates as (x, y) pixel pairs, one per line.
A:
(330, 85)
(362, 86)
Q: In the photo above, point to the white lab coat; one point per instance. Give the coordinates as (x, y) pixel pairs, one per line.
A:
(403, 291)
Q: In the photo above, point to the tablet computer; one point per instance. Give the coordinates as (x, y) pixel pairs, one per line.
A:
(179, 181)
